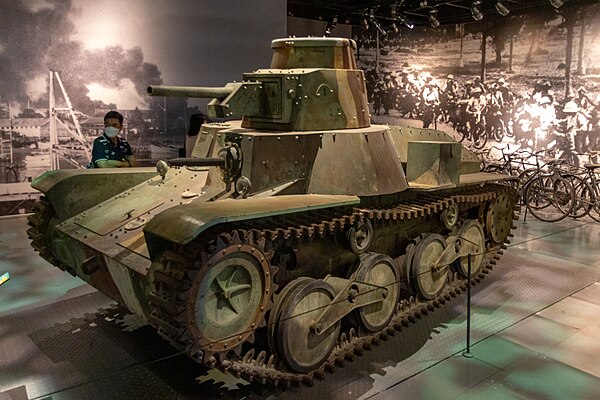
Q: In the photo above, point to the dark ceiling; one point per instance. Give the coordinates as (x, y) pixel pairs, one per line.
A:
(417, 11)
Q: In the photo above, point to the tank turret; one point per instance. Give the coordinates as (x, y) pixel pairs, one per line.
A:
(312, 83)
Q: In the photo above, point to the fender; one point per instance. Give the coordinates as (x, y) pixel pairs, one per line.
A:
(73, 191)
(181, 224)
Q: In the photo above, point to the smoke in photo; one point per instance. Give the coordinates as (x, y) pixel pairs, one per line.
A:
(105, 53)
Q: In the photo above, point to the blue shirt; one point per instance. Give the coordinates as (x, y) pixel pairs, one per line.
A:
(105, 149)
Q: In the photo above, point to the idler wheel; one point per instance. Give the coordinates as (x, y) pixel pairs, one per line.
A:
(229, 297)
(378, 270)
(300, 348)
(499, 217)
(471, 232)
(449, 216)
(360, 236)
(429, 279)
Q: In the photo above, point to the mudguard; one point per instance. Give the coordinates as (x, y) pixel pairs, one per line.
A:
(181, 224)
(73, 191)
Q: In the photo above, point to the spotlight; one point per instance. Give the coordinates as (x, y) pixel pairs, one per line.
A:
(557, 3)
(475, 11)
(394, 28)
(502, 9)
(406, 22)
(433, 19)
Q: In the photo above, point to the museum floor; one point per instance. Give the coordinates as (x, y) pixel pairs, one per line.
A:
(535, 334)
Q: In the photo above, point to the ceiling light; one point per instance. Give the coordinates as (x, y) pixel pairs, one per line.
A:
(475, 11)
(502, 9)
(557, 3)
(433, 19)
(394, 27)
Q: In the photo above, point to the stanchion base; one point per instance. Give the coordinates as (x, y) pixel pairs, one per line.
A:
(467, 354)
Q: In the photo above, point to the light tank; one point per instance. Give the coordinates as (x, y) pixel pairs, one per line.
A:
(293, 237)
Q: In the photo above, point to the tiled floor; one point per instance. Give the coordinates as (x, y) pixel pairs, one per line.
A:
(535, 335)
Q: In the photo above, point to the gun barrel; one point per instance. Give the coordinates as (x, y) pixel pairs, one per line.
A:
(190, 91)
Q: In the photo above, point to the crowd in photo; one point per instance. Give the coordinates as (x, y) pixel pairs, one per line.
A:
(479, 111)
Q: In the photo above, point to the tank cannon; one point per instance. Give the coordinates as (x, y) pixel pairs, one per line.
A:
(230, 101)
(299, 228)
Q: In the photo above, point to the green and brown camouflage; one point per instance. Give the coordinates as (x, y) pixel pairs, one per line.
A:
(297, 197)
(312, 84)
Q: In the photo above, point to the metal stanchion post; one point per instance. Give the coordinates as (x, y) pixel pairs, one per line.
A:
(467, 352)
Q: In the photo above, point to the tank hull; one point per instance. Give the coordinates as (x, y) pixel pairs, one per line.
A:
(312, 234)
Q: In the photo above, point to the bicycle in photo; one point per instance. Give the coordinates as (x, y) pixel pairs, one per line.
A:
(547, 194)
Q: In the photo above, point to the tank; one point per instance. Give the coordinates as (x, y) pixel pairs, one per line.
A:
(296, 235)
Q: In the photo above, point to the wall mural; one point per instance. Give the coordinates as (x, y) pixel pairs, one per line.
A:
(98, 55)
(515, 82)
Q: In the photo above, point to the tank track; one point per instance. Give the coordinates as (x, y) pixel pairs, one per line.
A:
(39, 223)
(265, 368)
(350, 343)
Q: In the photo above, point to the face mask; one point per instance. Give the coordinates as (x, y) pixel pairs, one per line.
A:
(111, 132)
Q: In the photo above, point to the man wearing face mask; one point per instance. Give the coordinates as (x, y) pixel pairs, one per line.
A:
(111, 151)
